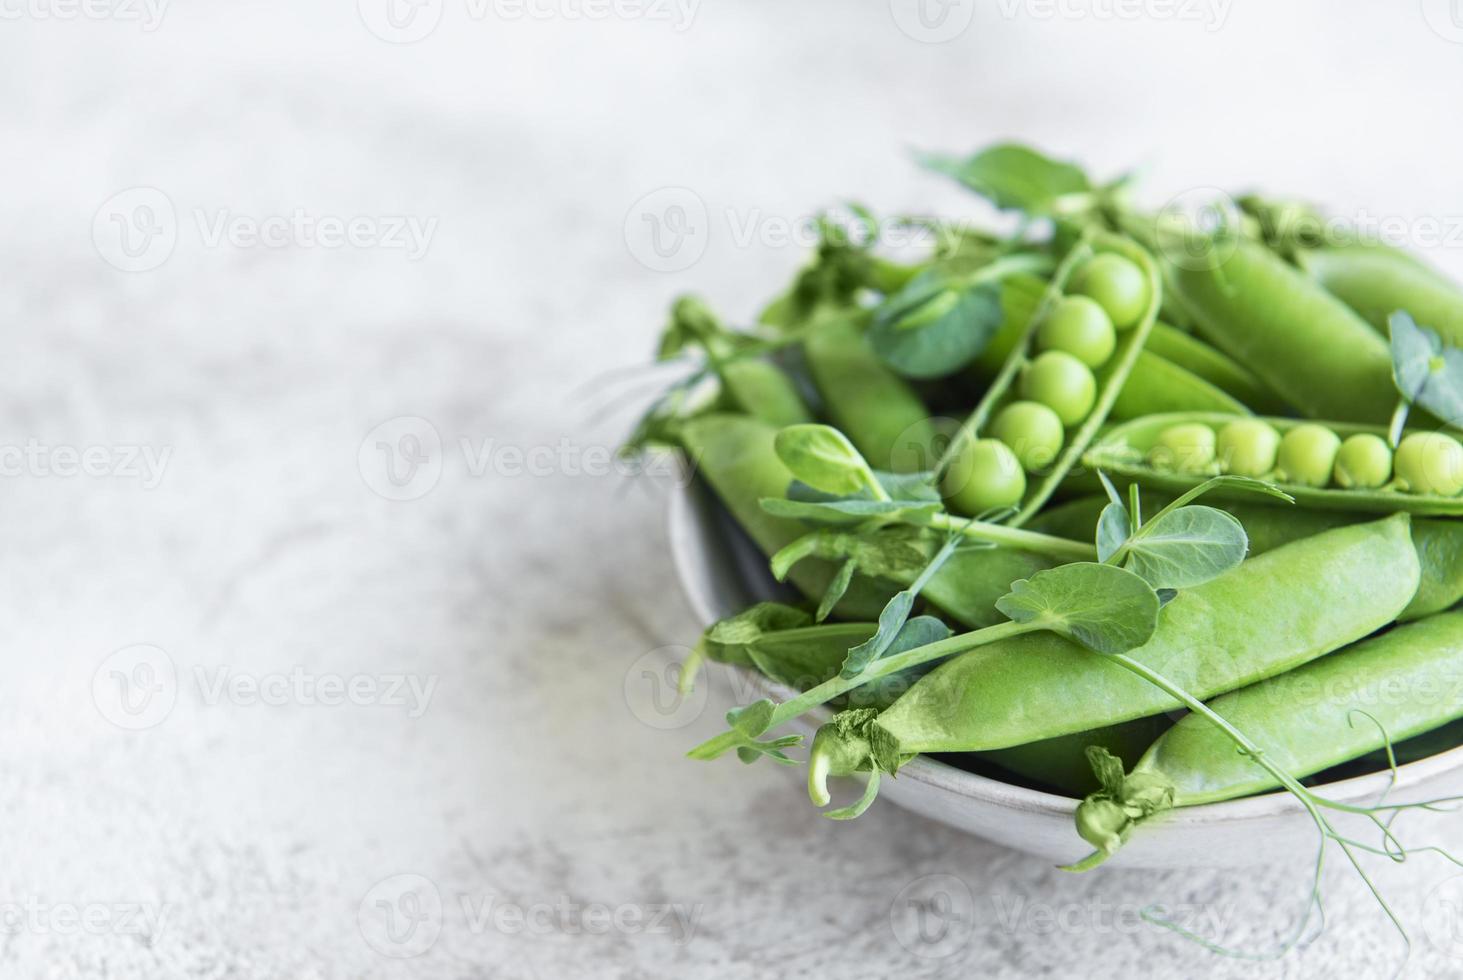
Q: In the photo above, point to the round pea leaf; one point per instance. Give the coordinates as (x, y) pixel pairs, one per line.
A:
(928, 330)
(1103, 607)
(1187, 547)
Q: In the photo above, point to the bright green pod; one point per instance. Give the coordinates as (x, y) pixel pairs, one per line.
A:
(1404, 681)
(1158, 385)
(1123, 454)
(1212, 365)
(1376, 281)
(873, 406)
(1273, 319)
(763, 390)
(1269, 615)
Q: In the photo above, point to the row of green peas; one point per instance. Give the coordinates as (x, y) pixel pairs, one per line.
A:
(1057, 389)
(1311, 455)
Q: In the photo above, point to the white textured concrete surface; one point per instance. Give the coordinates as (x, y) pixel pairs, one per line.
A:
(225, 832)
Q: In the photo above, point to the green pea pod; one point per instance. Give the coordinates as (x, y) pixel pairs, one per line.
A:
(764, 391)
(1123, 451)
(1110, 378)
(1269, 615)
(1304, 343)
(735, 455)
(1376, 281)
(1061, 762)
(1158, 385)
(1404, 682)
(873, 406)
(1438, 541)
(1213, 366)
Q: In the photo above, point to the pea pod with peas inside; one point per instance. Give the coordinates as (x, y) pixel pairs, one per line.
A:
(1174, 373)
(1376, 692)
(1061, 403)
(1267, 616)
(1178, 451)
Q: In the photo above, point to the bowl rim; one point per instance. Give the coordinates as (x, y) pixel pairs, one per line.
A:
(946, 778)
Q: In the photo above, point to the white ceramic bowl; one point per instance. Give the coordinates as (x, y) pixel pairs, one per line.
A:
(721, 572)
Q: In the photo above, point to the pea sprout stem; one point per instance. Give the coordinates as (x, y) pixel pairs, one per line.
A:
(833, 687)
(1042, 544)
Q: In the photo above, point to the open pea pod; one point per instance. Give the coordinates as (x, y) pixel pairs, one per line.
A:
(1110, 376)
(1123, 453)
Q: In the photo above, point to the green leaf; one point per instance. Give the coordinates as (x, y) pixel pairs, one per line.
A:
(891, 619)
(1012, 177)
(836, 588)
(752, 719)
(930, 329)
(1187, 547)
(1112, 530)
(894, 615)
(919, 631)
(1103, 607)
(749, 624)
(1427, 371)
(823, 458)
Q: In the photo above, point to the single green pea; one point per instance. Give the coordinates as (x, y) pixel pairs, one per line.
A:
(1033, 431)
(985, 475)
(1184, 448)
(1117, 284)
(1081, 327)
(1430, 462)
(1247, 447)
(1363, 463)
(1062, 383)
(1308, 454)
